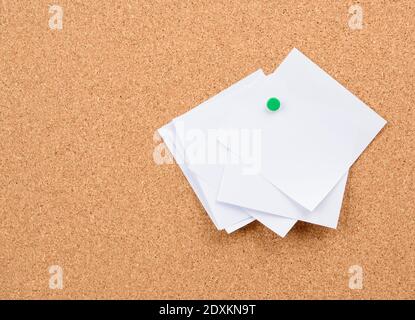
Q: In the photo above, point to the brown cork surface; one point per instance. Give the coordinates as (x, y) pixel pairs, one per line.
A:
(79, 187)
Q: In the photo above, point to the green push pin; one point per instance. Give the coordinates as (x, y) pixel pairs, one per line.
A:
(273, 104)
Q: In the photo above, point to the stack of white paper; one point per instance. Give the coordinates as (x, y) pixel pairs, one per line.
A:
(248, 163)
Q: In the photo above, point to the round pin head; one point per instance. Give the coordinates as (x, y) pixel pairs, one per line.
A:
(273, 104)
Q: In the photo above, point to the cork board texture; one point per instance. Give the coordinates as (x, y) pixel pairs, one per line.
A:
(79, 188)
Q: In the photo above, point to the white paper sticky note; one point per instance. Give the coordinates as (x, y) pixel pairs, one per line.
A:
(310, 143)
(256, 193)
(264, 198)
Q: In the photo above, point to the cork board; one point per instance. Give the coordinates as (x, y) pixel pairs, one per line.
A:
(78, 185)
